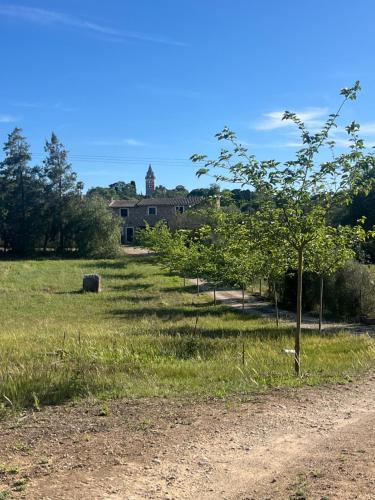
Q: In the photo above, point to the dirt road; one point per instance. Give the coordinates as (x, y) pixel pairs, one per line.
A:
(316, 443)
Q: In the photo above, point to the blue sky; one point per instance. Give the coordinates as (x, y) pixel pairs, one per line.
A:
(127, 83)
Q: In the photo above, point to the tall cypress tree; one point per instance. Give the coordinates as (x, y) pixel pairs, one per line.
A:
(61, 188)
(20, 190)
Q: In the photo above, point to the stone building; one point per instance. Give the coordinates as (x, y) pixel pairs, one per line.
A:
(136, 213)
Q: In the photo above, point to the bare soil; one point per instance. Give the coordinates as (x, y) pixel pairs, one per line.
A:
(311, 442)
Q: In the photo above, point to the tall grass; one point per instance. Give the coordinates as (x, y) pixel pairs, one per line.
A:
(144, 335)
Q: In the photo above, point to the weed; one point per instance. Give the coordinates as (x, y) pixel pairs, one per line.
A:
(104, 410)
(19, 485)
(9, 469)
(144, 424)
(316, 474)
(22, 447)
(36, 402)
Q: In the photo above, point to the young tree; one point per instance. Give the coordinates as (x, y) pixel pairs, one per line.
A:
(331, 250)
(298, 195)
(243, 257)
(277, 259)
(212, 254)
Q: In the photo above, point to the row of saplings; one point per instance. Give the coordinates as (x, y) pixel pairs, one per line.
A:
(234, 249)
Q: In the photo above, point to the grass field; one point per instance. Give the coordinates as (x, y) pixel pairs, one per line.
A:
(143, 336)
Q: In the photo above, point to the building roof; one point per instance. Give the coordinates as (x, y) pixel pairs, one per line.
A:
(153, 202)
(183, 201)
(123, 203)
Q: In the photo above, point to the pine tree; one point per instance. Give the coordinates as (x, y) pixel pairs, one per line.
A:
(20, 201)
(61, 189)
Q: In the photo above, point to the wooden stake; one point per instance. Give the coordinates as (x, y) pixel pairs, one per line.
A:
(297, 340)
(276, 304)
(321, 303)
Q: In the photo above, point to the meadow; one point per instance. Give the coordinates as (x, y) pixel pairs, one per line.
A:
(144, 335)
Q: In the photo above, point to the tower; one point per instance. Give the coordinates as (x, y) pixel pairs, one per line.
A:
(150, 182)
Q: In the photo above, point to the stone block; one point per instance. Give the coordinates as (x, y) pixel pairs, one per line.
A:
(91, 283)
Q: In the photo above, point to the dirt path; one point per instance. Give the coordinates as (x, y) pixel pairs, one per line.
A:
(314, 443)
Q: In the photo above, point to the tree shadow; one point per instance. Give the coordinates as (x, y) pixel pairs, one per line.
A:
(141, 259)
(107, 264)
(130, 286)
(188, 288)
(222, 333)
(170, 313)
(132, 299)
(127, 276)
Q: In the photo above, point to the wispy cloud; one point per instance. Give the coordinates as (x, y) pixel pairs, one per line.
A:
(312, 117)
(49, 17)
(39, 105)
(128, 141)
(133, 142)
(25, 104)
(8, 119)
(367, 128)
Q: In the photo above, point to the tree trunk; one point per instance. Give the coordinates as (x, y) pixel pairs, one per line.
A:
(198, 285)
(45, 244)
(215, 295)
(321, 303)
(184, 282)
(297, 344)
(61, 238)
(260, 287)
(276, 304)
(243, 299)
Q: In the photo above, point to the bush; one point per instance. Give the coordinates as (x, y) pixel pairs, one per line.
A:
(348, 293)
(98, 230)
(351, 291)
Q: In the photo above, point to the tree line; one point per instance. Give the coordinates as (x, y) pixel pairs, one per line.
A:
(43, 209)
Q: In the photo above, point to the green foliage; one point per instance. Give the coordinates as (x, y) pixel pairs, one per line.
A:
(350, 292)
(97, 229)
(178, 192)
(20, 196)
(61, 190)
(44, 209)
(118, 191)
(332, 248)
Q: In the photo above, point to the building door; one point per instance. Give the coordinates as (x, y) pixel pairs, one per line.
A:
(129, 234)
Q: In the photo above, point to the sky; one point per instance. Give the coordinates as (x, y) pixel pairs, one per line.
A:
(126, 83)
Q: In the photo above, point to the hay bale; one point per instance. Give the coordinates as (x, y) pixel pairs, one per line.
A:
(91, 283)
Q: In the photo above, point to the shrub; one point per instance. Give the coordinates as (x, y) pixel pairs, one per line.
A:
(348, 293)
(98, 230)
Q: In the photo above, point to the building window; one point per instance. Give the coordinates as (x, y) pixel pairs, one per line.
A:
(124, 212)
(180, 210)
(152, 211)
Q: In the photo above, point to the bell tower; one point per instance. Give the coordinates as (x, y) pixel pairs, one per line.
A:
(150, 182)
